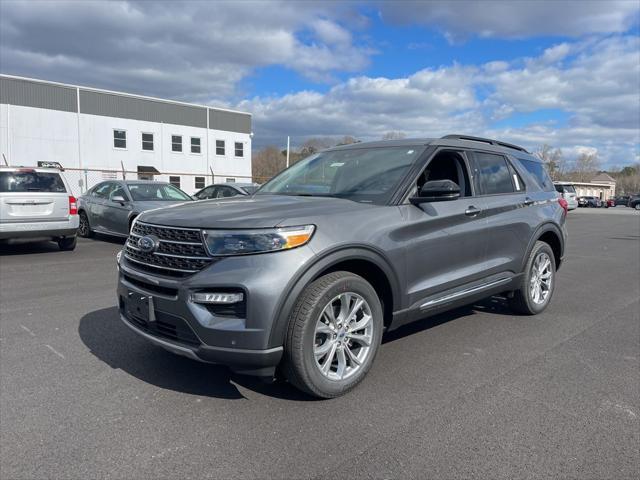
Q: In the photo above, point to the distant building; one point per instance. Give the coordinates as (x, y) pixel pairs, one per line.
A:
(602, 186)
(95, 134)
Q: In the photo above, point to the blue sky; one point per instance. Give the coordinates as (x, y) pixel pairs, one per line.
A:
(564, 73)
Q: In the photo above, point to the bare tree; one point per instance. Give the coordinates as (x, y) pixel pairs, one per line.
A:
(347, 140)
(586, 166)
(266, 163)
(313, 145)
(553, 160)
(628, 180)
(394, 135)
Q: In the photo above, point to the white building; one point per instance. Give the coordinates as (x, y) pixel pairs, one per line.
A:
(97, 134)
(602, 186)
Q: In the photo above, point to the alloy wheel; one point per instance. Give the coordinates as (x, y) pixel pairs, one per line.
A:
(84, 226)
(541, 278)
(343, 336)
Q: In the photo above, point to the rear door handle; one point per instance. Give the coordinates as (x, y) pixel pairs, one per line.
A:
(528, 201)
(472, 211)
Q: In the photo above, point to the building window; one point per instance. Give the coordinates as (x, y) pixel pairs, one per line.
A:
(175, 181)
(119, 139)
(199, 183)
(231, 180)
(176, 143)
(195, 145)
(239, 149)
(147, 142)
(219, 147)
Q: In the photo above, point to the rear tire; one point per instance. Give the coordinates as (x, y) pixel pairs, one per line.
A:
(538, 282)
(67, 243)
(84, 228)
(333, 336)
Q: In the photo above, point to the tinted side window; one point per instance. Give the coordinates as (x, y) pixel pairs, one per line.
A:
(539, 174)
(118, 191)
(103, 191)
(206, 193)
(492, 174)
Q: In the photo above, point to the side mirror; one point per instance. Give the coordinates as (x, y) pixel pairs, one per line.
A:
(118, 199)
(437, 191)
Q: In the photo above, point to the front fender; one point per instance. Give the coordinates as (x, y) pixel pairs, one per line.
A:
(322, 263)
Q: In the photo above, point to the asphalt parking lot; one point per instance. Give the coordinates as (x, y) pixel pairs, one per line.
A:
(473, 393)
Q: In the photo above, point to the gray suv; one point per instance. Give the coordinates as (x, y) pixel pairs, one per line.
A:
(303, 277)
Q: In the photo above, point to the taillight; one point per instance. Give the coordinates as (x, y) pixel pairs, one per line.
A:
(564, 204)
(73, 205)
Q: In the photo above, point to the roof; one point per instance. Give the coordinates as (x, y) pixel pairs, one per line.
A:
(603, 177)
(447, 140)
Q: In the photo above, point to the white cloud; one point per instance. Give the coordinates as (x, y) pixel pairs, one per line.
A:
(596, 84)
(200, 49)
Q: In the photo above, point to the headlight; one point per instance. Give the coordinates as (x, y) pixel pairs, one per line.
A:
(242, 242)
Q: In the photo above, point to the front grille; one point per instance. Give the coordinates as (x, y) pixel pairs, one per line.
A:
(166, 326)
(181, 251)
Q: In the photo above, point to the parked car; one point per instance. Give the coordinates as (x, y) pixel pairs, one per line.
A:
(590, 202)
(610, 202)
(622, 200)
(37, 203)
(307, 273)
(634, 202)
(568, 192)
(110, 207)
(225, 190)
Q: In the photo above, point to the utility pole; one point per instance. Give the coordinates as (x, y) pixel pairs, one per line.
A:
(287, 151)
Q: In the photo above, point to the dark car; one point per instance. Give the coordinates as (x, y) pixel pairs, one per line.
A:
(634, 202)
(307, 282)
(225, 190)
(622, 200)
(110, 207)
(590, 202)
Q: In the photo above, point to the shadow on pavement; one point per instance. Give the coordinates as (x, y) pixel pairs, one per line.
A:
(27, 247)
(114, 343)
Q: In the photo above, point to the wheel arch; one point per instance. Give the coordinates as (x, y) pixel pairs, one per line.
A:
(550, 234)
(363, 261)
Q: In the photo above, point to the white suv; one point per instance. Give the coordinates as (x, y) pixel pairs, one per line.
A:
(37, 203)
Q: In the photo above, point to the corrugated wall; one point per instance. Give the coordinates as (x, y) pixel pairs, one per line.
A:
(28, 93)
(31, 93)
(112, 105)
(229, 121)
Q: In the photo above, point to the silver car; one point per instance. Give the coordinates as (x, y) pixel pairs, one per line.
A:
(110, 207)
(37, 203)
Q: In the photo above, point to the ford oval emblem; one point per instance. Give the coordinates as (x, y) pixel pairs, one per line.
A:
(148, 244)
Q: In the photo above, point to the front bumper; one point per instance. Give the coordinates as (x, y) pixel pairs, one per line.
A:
(240, 340)
(63, 228)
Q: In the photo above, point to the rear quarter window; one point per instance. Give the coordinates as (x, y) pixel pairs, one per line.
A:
(28, 181)
(539, 174)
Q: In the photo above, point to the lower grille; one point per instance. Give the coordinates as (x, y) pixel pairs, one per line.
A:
(166, 326)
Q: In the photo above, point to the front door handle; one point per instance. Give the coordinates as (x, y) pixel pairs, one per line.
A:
(472, 211)
(528, 201)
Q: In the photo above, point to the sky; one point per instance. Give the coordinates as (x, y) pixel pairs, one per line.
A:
(562, 73)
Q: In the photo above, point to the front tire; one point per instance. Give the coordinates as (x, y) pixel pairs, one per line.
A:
(67, 243)
(538, 283)
(84, 229)
(334, 334)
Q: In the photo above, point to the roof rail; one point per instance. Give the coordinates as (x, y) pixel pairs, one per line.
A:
(485, 140)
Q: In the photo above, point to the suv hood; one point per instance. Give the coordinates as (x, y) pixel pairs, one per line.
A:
(260, 211)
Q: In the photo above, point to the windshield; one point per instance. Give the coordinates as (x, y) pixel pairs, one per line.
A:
(31, 181)
(144, 192)
(360, 174)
